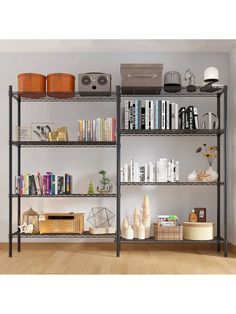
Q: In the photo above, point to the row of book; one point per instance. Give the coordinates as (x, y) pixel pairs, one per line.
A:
(163, 170)
(48, 184)
(100, 129)
(167, 220)
(158, 114)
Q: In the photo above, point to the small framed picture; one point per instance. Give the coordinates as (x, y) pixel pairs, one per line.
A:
(23, 134)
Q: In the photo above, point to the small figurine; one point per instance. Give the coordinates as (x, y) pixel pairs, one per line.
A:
(26, 228)
(90, 188)
(190, 77)
(105, 185)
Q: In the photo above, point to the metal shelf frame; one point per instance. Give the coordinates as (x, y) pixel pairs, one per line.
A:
(130, 92)
(221, 133)
(38, 144)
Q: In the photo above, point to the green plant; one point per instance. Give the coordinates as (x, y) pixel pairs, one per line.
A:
(104, 180)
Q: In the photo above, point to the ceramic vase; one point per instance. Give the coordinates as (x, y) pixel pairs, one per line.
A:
(212, 175)
(129, 233)
(141, 231)
(124, 226)
(192, 177)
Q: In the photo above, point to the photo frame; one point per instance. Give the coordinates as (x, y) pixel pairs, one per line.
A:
(23, 134)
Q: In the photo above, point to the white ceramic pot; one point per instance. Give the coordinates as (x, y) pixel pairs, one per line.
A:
(212, 175)
(192, 177)
(129, 233)
(141, 231)
(124, 226)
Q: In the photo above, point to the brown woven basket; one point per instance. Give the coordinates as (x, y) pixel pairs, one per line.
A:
(168, 232)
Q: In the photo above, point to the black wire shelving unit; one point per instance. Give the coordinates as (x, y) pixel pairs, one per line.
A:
(116, 96)
(222, 181)
(36, 98)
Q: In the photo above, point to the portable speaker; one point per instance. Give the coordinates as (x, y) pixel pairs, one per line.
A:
(94, 84)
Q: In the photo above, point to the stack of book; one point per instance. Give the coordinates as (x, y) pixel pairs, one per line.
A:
(97, 130)
(48, 184)
(160, 171)
(158, 114)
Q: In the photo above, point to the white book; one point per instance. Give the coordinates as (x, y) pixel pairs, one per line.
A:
(121, 174)
(126, 114)
(147, 114)
(56, 184)
(152, 120)
(163, 115)
(136, 172)
(172, 172)
(163, 170)
(146, 172)
(169, 171)
(195, 116)
(177, 171)
(37, 182)
(132, 170)
(175, 114)
(167, 114)
(157, 171)
(151, 173)
(126, 173)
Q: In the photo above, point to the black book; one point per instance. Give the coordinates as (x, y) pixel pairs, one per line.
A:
(33, 186)
(186, 118)
(191, 117)
(143, 118)
(182, 117)
(170, 116)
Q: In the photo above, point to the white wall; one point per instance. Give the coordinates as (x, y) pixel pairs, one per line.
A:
(232, 146)
(85, 163)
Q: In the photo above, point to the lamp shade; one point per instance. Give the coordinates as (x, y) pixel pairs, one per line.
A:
(211, 74)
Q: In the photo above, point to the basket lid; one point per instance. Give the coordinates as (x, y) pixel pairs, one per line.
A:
(30, 74)
(142, 65)
(61, 74)
(198, 224)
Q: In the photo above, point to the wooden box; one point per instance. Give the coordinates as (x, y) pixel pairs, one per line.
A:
(198, 230)
(168, 232)
(62, 223)
(141, 77)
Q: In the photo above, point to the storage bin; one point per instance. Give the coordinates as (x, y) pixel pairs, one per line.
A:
(62, 223)
(198, 230)
(31, 85)
(60, 85)
(141, 77)
(168, 232)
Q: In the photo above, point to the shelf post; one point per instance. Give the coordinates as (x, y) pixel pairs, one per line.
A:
(10, 171)
(219, 176)
(225, 174)
(19, 173)
(118, 170)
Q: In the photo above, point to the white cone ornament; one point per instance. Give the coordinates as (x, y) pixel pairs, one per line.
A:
(124, 226)
(136, 222)
(141, 231)
(129, 233)
(146, 216)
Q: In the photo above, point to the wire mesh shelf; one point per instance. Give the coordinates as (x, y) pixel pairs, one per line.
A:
(86, 234)
(197, 132)
(152, 240)
(172, 183)
(67, 196)
(64, 144)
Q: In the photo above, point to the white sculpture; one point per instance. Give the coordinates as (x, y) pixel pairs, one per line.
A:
(129, 233)
(192, 177)
(190, 77)
(141, 231)
(124, 226)
(146, 216)
(136, 222)
(26, 228)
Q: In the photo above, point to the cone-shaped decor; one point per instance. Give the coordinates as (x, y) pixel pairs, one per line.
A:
(146, 216)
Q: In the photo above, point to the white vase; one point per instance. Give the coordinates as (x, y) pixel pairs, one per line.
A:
(124, 226)
(192, 177)
(212, 175)
(129, 233)
(135, 228)
(141, 231)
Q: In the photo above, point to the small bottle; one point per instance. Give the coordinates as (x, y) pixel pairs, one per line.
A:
(193, 216)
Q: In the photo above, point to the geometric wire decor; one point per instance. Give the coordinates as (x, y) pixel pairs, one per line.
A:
(100, 217)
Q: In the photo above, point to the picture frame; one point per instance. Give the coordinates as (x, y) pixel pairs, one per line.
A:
(23, 134)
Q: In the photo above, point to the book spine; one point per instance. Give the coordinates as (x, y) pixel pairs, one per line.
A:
(152, 117)
(126, 173)
(146, 172)
(177, 171)
(122, 174)
(151, 173)
(163, 114)
(71, 184)
(191, 118)
(157, 171)
(139, 114)
(143, 115)
(182, 117)
(147, 114)
(195, 116)
(142, 174)
(167, 116)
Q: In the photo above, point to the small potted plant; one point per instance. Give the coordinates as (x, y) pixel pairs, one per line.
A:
(105, 185)
(210, 154)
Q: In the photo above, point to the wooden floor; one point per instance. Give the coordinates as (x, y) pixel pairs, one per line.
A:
(90, 261)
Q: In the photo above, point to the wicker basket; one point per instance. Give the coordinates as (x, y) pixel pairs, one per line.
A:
(168, 232)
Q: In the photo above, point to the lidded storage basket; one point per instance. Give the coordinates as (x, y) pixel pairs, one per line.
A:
(60, 85)
(168, 232)
(198, 230)
(31, 85)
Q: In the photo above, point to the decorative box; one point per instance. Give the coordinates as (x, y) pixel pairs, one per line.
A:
(168, 232)
(62, 223)
(198, 230)
(141, 76)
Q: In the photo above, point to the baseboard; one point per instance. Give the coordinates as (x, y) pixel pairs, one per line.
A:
(111, 246)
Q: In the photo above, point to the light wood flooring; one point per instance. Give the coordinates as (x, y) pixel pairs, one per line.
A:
(67, 260)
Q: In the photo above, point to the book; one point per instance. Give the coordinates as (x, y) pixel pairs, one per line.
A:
(195, 118)
(163, 115)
